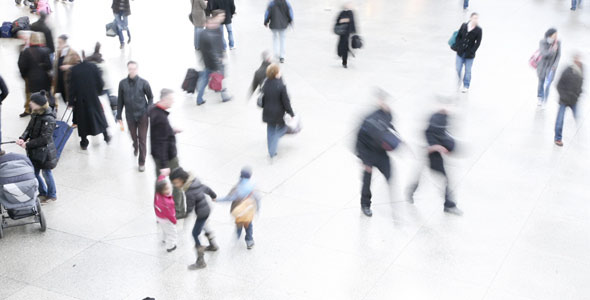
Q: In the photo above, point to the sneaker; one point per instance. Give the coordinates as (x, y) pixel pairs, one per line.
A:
(171, 249)
(544, 105)
(197, 266)
(42, 199)
(227, 99)
(367, 211)
(24, 114)
(199, 104)
(282, 60)
(559, 143)
(122, 46)
(141, 169)
(51, 199)
(539, 101)
(232, 48)
(249, 245)
(453, 210)
(464, 90)
(212, 248)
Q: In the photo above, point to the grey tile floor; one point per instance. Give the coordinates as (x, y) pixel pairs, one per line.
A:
(525, 233)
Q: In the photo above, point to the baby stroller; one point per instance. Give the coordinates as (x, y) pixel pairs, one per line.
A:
(18, 192)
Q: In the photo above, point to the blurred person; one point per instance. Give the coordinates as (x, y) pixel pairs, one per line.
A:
(122, 10)
(467, 42)
(278, 16)
(198, 18)
(576, 4)
(195, 192)
(3, 95)
(260, 74)
(465, 4)
(165, 212)
(275, 104)
(66, 58)
(135, 96)
(212, 53)
(550, 51)
(96, 58)
(346, 16)
(37, 140)
(439, 142)
(569, 88)
(34, 65)
(41, 26)
(229, 8)
(85, 87)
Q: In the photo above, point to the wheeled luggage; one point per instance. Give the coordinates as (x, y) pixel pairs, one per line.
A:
(189, 84)
(62, 133)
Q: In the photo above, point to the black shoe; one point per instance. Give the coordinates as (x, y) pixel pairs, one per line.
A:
(453, 210)
(367, 211)
(282, 60)
(199, 104)
(171, 249)
(108, 139)
(128, 40)
(24, 114)
(212, 248)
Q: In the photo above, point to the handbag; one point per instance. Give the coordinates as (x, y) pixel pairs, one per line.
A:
(356, 42)
(260, 100)
(110, 28)
(293, 124)
(453, 39)
(341, 28)
(535, 59)
(215, 81)
(244, 211)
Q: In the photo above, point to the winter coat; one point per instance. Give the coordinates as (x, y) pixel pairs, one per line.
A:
(275, 102)
(467, 42)
(34, 65)
(61, 79)
(164, 206)
(279, 14)
(121, 6)
(3, 90)
(86, 85)
(226, 5)
(570, 84)
(40, 26)
(211, 46)
(39, 136)
(195, 192)
(436, 133)
(549, 58)
(136, 96)
(368, 144)
(259, 76)
(198, 12)
(162, 136)
(343, 42)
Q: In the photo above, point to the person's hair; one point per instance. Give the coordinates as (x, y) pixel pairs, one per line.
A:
(179, 173)
(474, 14)
(131, 62)
(161, 186)
(272, 71)
(265, 55)
(165, 92)
(37, 39)
(63, 37)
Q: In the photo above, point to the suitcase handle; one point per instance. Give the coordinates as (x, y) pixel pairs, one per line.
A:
(64, 114)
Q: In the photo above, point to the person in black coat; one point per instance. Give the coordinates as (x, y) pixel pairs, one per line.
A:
(275, 104)
(260, 74)
(122, 10)
(229, 8)
(439, 142)
(41, 26)
(466, 44)
(34, 65)
(346, 21)
(85, 87)
(38, 141)
(3, 95)
(569, 88)
(278, 16)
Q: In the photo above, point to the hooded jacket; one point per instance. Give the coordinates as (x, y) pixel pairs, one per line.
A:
(195, 192)
(39, 134)
(279, 14)
(570, 85)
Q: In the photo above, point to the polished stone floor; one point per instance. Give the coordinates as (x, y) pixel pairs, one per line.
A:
(526, 230)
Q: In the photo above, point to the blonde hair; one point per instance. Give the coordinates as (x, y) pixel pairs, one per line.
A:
(37, 39)
(272, 71)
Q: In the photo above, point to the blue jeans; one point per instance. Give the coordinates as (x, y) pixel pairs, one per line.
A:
(202, 85)
(199, 225)
(576, 3)
(468, 62)
(249, 229)
(122, 24)
(48, 191)
(559, 121)
(273, 133)
(545, 86)
(198, 31)
(466, 4)
(230, 36)
(278, 38)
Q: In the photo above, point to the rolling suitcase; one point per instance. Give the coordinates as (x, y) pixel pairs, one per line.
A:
(189, 84)
(62, 133)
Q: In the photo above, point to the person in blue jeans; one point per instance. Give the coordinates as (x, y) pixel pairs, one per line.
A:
(229, 8)
(569, 88)
(122, 10)
(550, 51)
(468, 41)
(278, 16)
(576, 4)
(466, 4)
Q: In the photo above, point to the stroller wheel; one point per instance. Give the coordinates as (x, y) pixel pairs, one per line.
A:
(41, 219)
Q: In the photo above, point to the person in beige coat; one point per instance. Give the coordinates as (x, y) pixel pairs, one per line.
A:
(66, 58)
(198, 18)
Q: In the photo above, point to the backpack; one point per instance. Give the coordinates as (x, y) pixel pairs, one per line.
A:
(6, 30)
(356, 42)
(19, 24)
(243, 211)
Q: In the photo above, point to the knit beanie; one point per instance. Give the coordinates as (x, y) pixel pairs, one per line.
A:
(550, 32)
(39, 98)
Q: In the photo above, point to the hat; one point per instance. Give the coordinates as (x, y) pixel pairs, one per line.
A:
(246, 172)
(39, 98)
(550, 32)
(63, 37)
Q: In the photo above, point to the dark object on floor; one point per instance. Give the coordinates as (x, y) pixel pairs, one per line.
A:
(189, 84)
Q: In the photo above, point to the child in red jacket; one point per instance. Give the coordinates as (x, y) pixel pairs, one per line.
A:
(165, 212)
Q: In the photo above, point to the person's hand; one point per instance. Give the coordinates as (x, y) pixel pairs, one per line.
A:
(214, 199)
(437, 148)
(65, 67)
(176, 130)
(24, 145)
(165, 172)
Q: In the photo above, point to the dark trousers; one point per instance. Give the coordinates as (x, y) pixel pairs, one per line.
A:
(382, 163)
(179, 201)
(84, 139)
(138, 130)
(199, 225)
(436, 163)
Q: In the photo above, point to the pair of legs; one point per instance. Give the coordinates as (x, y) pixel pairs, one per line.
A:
(138, 130)
(343, 48)
(202, 83)
(177, 194)
(465, 4)
(46, 183)
(84, 139)
(230, 36)
(544, 86)
(122, 24)
(559, 120)
(249, 231)
(169, 231)
(576, 4)
(382, 163)
(198, 31)
(468, 63)
(273, 133)
(437, 165)
(278, 38)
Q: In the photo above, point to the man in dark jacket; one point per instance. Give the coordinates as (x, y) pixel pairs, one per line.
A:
(467, 42)
(569, 88)
(3, 95)
(135, 95)
(278, 16)
(229, 8)
(34, 65)
(439, 142)
(195, 193)
(122, 10)
(212, 53)
(260, 74)
(41, 26)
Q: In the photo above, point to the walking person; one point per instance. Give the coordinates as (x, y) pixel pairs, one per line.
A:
(195, 192)
(34, 65)
(41, 26)
(85, 88)
(229, 8)
(275, 104)
(122, 10)
(212, 54)
(3, 95)
(439, 142)
(467, 42)
(569, 88)
(345, 23)
(66, 58)
(96, 58)
(165, 212)
(198, 18)
(260, 74)
(278, 16)
(135, 96)
(37, 139)
(465, 4)
(550, 52)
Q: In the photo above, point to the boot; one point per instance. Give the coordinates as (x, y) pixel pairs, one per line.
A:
(200, 264)
(212, 245)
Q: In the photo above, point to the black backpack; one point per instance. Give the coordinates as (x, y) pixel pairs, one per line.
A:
(356, 42)
(19, 24)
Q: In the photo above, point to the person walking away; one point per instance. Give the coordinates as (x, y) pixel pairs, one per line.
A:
(3, 95)
(165, 212)
(439, 142)
(96, 58)
(278, 16)
(212, 55)
(34, 65)
(195, 193)
(275, 103)
(243, 190)
(569, 88)
(37, 140)
(550, 51)
(198, 18)
(122, 10)
(85, 88)
(135, 96)
(66, 58)
(467, 42)
(229, 8)
(260, 74)
(41, 26)
(345, 19)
